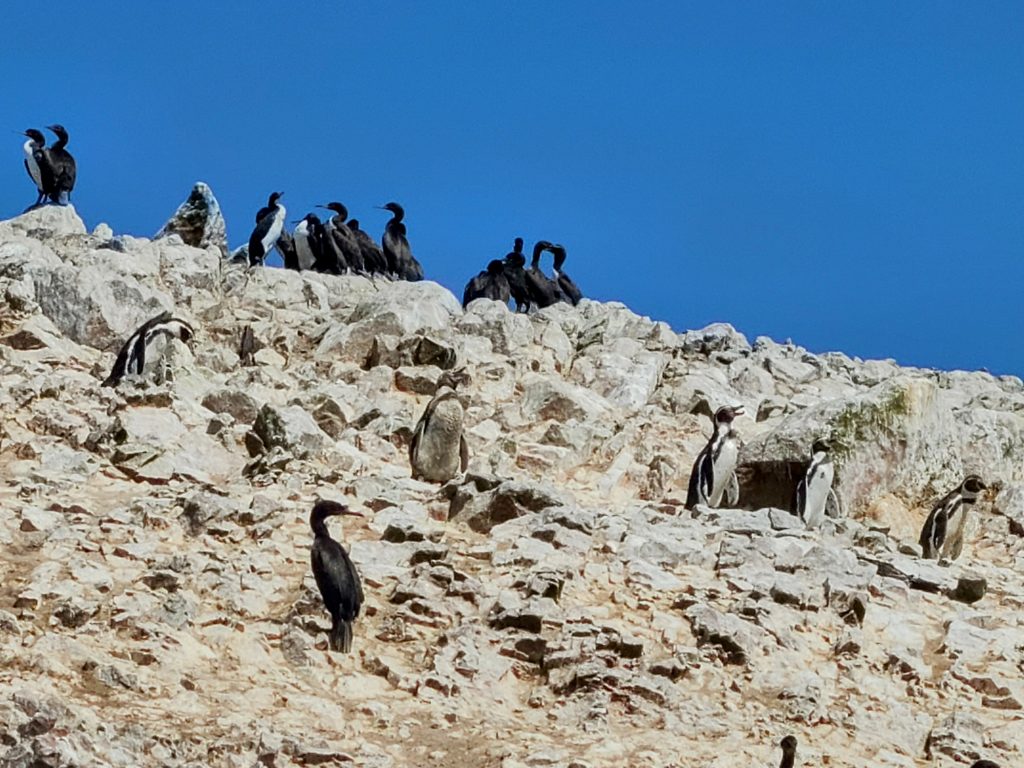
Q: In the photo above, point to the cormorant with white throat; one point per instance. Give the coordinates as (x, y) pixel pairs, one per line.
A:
(568, 288)
(62, 165)
(38, 164)
(401, 262)
(269, 225)
(341, 249)
(335, 575)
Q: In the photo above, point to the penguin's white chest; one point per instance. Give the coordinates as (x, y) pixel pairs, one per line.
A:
(819, 483)
(725, 466)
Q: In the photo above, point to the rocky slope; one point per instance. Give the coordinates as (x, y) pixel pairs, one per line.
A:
(557, 606)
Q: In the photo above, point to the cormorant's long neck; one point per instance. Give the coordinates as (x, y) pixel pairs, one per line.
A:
(787, 761)
(537, 250)
(319, 525)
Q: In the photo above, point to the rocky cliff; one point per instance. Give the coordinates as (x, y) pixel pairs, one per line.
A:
(555, 606)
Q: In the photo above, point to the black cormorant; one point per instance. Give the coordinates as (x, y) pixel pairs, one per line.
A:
(37, 164)
(269, 225)
(340, 244)
(373, 257)
(401, 262)
(543, 291)
(335, 575)
(788, 745)
(489, 284)
(568, 288)
(62, 165)
(515, 274)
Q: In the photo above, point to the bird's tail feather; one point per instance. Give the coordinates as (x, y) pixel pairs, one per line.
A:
(341, 636)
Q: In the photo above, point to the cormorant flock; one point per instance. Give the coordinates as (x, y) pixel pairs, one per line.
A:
(438, 449)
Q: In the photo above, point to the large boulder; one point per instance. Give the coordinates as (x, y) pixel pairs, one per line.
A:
(198, 221)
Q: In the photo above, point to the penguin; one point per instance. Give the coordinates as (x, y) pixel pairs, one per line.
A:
(341, 248)
(438, 451)
(543, 291)
(942, 537)
(269, 225)
(62, 165)
(401, 263)
(146, 346)
(714, 471)
(788, 745)
(815, 496)
(515, 274)
(38, 165)
(489, 284)
(309, 243)
(373, 257)
(570, 291)
(336, 575)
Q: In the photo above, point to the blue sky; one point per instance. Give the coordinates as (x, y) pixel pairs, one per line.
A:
(848, 175)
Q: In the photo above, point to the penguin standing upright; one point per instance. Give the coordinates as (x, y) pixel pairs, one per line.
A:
(942, 537)
(38, 164)
(269, 225)
(814, 494)
(714, 471)
(62, 165)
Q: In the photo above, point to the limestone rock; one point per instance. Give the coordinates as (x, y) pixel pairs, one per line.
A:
(198, 221)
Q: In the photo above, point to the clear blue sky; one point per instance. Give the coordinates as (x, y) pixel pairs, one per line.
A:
(848, 175)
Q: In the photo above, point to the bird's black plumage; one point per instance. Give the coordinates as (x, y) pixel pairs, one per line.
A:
(373, 257)
(401, 263)
(566, 286)
(335, 575)
(515, 274)
(542, 290)
(62, 165)
(132, 357)
(488, 284)
(788, 745)
(946, 520)
(286, 247)
(269, 226)
(309, 238)
(341, 248)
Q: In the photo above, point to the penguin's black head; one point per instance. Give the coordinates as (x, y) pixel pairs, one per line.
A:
(974, 484)
(36, 136)
(821, 445)
(788, 744)
(338, 208)
(727, 413)
(58, 131)
(518, 247)
(274, 197)
(495, 267)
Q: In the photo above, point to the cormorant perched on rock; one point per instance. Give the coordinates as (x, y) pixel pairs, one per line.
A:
(788, 745)
(814, 494)
(373, 257)
(566, 286)
(62, 165)
(515, 274)
(489, 284)
(714, 471)
(286, 247)
(401, 262)
(309, 243)
(542, 290)
(438, 451)
(942, 537)
(335, 575)
(146, 346)
(269, 225)
(341, 248)
(38, 165)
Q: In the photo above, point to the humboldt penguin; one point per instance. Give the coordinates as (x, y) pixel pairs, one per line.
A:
(515, 274)
(373, 257)
(942, 537)
(815, 497)
(62, 166)
(341, 248)
(714, 472)
(438, 451)
(269, 225)
(37, 164)
(788, 745)
(568, 288)
(489, 284)
(401, 263)
(335, 575)
(309, 242)
(542, 290)
(144, 348)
